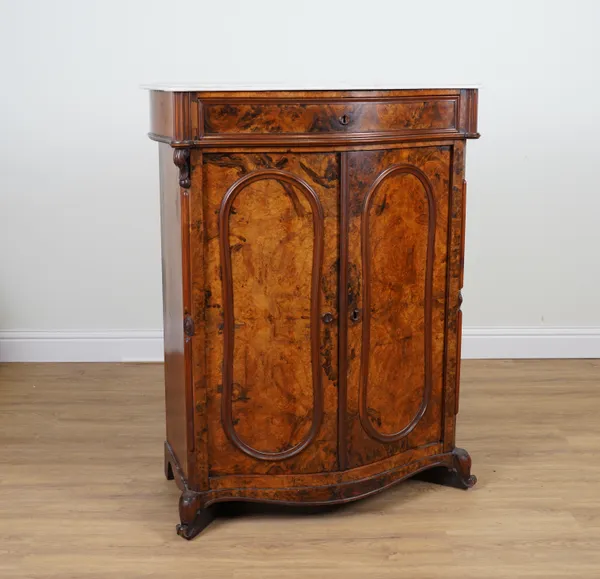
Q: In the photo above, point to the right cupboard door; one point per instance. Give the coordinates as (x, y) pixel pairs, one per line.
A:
(397, 222)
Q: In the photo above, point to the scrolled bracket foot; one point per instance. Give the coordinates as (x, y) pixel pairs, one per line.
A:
(461, 467)
(456, 474)
(194, 518)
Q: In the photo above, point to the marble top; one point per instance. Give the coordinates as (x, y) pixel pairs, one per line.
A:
(218, 87)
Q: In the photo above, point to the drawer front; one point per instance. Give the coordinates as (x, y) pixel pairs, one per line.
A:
(281, 116)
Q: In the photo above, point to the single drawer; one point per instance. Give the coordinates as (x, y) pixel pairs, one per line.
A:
(316, 116)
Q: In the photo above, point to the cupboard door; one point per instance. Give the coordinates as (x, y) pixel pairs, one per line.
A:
(397, 253)
(272, 244)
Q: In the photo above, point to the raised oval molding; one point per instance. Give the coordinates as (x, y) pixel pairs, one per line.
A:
(228, 314)
(394, 170)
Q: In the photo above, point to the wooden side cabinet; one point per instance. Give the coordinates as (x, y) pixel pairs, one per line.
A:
(312, 267)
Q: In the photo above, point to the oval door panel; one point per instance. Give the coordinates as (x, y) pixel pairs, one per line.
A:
(271, 242)
(398, 238)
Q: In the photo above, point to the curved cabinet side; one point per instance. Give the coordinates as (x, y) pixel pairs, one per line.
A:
(229, 322)
(367, 425)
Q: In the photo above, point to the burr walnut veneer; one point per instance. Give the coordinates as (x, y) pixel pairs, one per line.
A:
(312, 265)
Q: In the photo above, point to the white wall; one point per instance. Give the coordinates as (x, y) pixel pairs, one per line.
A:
(79, 213)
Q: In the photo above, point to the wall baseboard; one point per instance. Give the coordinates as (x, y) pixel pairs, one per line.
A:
(530, 342)
(82, 346)
(147, 345)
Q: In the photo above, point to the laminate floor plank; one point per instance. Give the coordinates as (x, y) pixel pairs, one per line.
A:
(83, 495)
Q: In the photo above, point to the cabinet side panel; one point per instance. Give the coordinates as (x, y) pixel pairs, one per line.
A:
(175, 373)
(161, 114)
(453, 294)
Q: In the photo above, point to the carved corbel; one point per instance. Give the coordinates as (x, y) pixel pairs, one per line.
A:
(181, 158)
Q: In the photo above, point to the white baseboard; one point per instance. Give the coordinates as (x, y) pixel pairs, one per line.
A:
(83, 346)
(530, 342)
(147, 346)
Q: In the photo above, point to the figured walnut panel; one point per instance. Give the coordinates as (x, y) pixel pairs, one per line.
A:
(272, 324)
(398, 237)
(272, 249)
(281, 117)
(398, 223)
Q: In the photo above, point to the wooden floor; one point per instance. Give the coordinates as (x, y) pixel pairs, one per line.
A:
(82, 491)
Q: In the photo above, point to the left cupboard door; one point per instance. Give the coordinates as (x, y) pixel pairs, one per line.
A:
(271, 245)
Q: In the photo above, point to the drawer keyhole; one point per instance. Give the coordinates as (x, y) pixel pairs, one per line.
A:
(344, 119)
(355, 315)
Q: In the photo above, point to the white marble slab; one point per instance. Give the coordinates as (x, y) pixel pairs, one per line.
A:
(217, 87)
